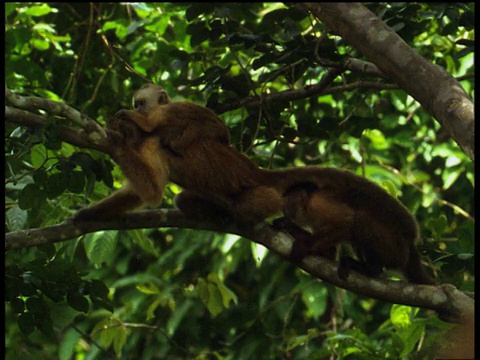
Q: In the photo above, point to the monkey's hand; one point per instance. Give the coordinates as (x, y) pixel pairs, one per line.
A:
(124, 114)
(123, 132)
(140, 118)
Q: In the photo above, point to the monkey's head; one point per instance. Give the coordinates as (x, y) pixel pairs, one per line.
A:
(149, 96)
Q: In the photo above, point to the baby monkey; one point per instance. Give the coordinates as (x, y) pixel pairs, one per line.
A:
(177, 124)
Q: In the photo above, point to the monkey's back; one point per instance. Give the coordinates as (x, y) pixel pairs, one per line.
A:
(188, 116)
(214, 169)
(381, 225)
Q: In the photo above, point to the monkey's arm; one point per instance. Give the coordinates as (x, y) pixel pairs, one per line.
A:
(121, 201)
(143, 120)
(145, 168)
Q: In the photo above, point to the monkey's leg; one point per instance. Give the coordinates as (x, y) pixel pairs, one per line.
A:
(257, 204)
(304, 241)
(197, 207)
(347, 264)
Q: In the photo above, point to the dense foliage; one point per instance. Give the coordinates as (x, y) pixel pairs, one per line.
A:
(177, 293)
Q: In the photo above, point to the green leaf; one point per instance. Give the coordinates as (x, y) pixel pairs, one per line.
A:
(148, 288)
(16, 218)
(315, 297)
(210, 296)
(39, 10)
(31, 197)
(100, 246)
(147, 244)
(97, 289)
(110, 331)
(40, 44)
(56, 185)
(69, 341)
(36, 305)
(26, 323)
(437, 225)
(104, 331)
(78, 302)
(411, 336)
(17, 305)
(401, 315)
(159, 301)
(120, 339)
(76, 182)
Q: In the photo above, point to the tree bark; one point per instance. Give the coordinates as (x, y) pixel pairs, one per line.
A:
(437, 91)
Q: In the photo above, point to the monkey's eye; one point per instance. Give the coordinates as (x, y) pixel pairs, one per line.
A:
(138, 104)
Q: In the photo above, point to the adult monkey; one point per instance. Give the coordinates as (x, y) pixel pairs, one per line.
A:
(336, 205)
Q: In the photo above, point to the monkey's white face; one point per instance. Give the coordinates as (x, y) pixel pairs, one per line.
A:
(149, 96)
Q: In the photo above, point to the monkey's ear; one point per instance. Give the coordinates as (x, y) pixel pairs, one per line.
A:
(163, 98)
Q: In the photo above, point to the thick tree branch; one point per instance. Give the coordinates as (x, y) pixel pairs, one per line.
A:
(93, 135)
(432, 86)
(75, 137)
(56, 108)
(444, 299)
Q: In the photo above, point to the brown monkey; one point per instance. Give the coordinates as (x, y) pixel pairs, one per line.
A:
(355, 210)
(337, 206)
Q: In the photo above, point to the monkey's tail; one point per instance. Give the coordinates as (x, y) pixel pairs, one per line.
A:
(317, 176)
(415, 270)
